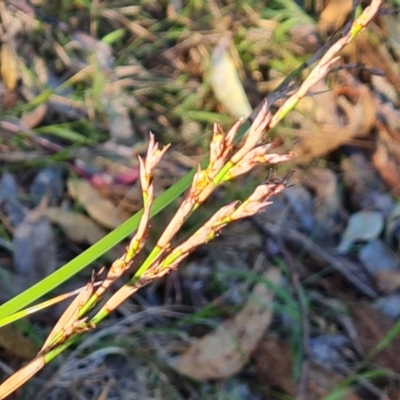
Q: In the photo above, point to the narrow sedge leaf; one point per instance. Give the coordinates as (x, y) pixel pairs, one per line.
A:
(38, 307)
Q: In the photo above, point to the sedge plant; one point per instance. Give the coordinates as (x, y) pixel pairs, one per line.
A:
(225, 164)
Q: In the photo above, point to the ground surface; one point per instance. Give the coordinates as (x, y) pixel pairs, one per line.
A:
(309, 289)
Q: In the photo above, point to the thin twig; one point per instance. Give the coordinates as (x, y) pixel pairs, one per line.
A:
(334, 260)
(304, 318)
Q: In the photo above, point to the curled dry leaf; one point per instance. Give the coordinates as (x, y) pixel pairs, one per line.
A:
(225, 351)
(33, 118)
(317, 140)
(100, 209)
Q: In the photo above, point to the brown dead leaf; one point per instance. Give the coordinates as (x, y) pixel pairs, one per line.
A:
(372, 326)
(274, 364)
(12, 340)
(100, 209)
(77, 227)
(225, 351)
(322, 381)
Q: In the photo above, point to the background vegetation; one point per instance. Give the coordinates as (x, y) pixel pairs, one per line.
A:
(309, 286)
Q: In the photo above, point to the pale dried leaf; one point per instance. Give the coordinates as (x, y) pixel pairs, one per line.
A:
(8, 66)
(100, 209)
(226, 83)
(12, 340)
(77, 227)
(225, 351)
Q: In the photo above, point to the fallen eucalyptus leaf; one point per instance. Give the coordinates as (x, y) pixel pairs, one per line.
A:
(77, 227)
(99, 208)
(225, 351)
